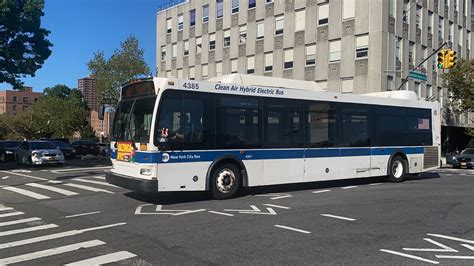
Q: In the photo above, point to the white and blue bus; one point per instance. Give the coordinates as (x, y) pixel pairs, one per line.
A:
(232, 132)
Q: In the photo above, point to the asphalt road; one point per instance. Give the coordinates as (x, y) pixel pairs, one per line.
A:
(59, 215)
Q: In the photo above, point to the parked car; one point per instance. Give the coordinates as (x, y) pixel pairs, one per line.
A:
(465, 159)
(35, 152)
(104, 149)
(67, 150)
(8, 150)
(84, 147)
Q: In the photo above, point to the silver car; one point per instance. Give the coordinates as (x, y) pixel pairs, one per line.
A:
(39, 152)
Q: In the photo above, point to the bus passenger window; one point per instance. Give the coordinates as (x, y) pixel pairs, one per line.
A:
(322, 124)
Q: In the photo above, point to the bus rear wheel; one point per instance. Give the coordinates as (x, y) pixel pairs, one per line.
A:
(397, 170)
(226, 181)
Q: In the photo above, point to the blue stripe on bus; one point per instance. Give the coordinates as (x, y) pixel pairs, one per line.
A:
(209, 156)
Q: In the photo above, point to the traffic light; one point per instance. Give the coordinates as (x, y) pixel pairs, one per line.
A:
(450, 59)
(441, 59)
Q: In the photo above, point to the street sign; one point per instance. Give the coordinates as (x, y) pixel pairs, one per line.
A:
(417, 75)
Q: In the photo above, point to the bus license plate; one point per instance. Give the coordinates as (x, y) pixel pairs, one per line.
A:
(125, 151)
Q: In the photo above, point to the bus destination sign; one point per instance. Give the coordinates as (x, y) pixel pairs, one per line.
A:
(137, 89)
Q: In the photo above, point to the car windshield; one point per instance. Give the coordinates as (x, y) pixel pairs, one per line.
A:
(133, 120)
(468, 151)
(10, 144)
(61, 144)
(42, 145)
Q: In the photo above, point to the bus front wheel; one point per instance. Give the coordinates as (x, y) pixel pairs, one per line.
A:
(226, 181)
(397, 170)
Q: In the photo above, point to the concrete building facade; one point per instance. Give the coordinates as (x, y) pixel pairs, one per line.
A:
(347, 46)
(15, 102)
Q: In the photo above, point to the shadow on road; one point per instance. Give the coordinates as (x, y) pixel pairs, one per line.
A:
(69, 163)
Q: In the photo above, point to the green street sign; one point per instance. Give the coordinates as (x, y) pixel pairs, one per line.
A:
(417, 75)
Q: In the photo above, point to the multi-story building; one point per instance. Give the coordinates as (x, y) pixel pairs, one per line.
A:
(15, 102)
(347, 46)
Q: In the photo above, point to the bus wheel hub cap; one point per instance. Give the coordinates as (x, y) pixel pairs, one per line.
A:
(225, 180)
(397, 169)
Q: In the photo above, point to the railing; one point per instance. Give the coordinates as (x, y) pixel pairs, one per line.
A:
(170, 4)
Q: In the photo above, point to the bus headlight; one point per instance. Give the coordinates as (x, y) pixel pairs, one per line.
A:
(146, 171)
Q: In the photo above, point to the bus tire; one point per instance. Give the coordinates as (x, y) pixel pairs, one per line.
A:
(397, 170)
(226, 181)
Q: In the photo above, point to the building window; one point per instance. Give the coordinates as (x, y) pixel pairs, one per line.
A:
(226, 38)
(14, 99)
(242, 34)
(235, 6)
(323, 14)
(205, 71)
(168, 25)
(163, 53)
(198, 45)
(180, 22)
(219, 8)
(260, 29)
(251, 4)
(391, 8)
(390, 83)
(440, 27)
(14, 109)
(419, 17)
(430, 22)
(348, 9)
(36, 99)
(269, 62)
(311, 55)
(300, 20)
(25, 99)
(219, 69)
(192, 73)
(334, 51)
(279, 23)
(288, 57)
(174, 50)
(347, 85)
(212, 41)
(429, 91)
(268, 1)
(417, 89)
(250, 65)
(180, 73)
(234, 66)
(192, 17)
(186, 48)
(410, 53)
(205, 13)
(405, 11)
(362, 46)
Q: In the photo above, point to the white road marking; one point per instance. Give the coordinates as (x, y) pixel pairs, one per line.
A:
(452, 238)
(51, 252)
(81, 214)
(338, 217)
(5, 208)
(98, 177)
(28, 229)
(321, 191)
(188, 212)
(275, 196)
(26, 193)
(11, 214)
(455, 257)
(80, 169)
(55, 182)
(29, 176)
(375, 184)
(27, 220)
(281, 197)
(349, 187)
(5, 177)
(54, 189)
(221, 213)
(444, 248)
(94, 182)
(55, 236)
(109, 258)
(159, 211)
(293, 229)
(468, 246)
(93, 189)
(254, 210)
(277, 206)
(409, 256)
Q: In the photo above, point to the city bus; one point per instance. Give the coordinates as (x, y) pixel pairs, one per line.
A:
(239, 131)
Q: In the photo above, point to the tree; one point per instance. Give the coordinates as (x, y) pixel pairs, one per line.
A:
(125, 64)
(87, 132)
(23, 43)
(460, 82)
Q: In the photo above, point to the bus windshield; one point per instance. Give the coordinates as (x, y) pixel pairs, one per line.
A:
(133, 119)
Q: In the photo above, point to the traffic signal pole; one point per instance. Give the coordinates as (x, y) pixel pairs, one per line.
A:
(405, 80)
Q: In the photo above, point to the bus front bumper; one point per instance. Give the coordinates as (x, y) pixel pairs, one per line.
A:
(132, 183)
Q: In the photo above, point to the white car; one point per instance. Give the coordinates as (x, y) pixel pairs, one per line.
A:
(39, 152)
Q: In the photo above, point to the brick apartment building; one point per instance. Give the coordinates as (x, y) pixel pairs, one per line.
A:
(15, 102)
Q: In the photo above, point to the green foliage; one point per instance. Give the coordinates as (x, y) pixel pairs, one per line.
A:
(125, 64)
(23, 43)
(87, 132)
(460, 82)
(19, 127)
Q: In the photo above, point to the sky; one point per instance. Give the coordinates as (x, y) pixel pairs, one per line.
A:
(81, 27)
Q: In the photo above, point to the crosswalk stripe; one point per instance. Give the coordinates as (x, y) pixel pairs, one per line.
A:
(98, 177)
(5, 209)
(109, 258)
(51, 252)
(27, 220)
(93, 189)
(51, 188)
(11, 214)
(28, 229)
(94, 182)
(26, 193)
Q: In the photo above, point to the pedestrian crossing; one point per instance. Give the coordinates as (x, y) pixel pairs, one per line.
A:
(58, 245)
(54, 188)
